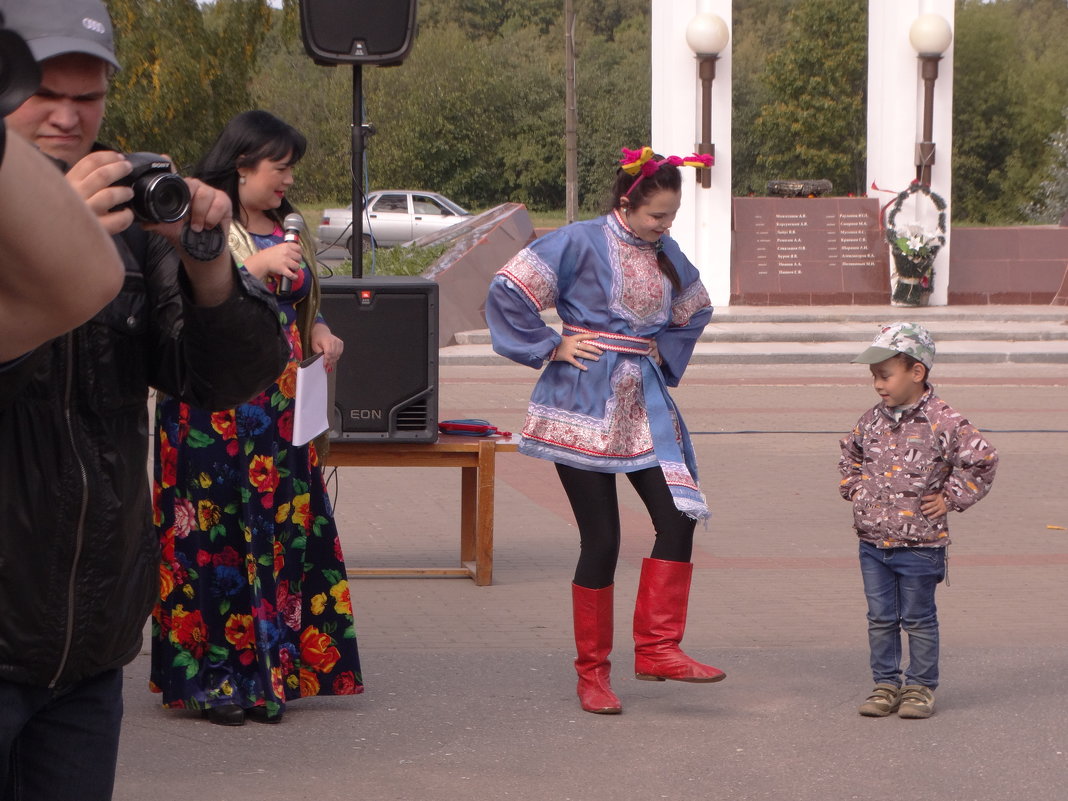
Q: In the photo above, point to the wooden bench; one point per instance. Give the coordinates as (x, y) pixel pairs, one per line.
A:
(476, 458)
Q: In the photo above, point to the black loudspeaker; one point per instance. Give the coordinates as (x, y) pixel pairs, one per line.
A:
(358, 31)
(386, 383)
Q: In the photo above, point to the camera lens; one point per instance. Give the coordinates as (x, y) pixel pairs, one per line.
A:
(161, 197)
(20, 74)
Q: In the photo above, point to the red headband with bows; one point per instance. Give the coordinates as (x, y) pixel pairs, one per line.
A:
(641, 164)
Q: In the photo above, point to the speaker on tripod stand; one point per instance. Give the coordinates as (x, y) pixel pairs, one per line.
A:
(358, 31)
(386, 383)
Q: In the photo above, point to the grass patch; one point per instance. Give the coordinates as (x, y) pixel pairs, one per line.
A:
(557, 218)
(313, 211)
(395, 261)
(548, 219)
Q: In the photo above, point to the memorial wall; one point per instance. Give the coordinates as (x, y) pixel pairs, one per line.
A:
(809, 251)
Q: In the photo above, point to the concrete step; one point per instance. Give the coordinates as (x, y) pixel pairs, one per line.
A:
(949, 351)
(881, 314)
(815, 335)
(846, 331)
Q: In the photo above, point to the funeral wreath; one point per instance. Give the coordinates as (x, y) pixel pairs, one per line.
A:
(914, 248)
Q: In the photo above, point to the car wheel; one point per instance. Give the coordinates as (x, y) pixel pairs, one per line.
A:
(367, 243)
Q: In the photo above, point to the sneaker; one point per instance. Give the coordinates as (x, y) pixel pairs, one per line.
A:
(883, 700)
(917, 701)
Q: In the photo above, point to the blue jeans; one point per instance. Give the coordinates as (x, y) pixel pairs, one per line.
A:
(900, 587)
(60, 745)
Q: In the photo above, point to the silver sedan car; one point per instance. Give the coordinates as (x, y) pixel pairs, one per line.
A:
(391, 217)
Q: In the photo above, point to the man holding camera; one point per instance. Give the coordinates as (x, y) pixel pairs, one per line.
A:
(78, 555)
(61, 282)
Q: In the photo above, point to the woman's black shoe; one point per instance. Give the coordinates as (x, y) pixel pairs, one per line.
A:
(259, 714)
(226, 715)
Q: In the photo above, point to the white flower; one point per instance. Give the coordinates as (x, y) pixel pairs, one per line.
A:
(913, 240)
(916, 241)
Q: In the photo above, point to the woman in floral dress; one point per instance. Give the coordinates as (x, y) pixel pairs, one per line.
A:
(254, 605)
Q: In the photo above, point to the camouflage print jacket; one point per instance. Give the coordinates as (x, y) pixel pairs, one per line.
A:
(889, 464)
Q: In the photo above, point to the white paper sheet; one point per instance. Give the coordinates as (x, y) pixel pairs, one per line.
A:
(310, 418)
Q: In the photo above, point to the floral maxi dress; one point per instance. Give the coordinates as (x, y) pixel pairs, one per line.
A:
(254, 605)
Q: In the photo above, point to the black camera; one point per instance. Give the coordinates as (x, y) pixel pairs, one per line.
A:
(159, 194)
(19, 73)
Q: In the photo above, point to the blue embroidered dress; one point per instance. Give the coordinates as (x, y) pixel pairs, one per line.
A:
(617, 416)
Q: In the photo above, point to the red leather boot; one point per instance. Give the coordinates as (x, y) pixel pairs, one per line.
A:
(593, 639)
(659, 623)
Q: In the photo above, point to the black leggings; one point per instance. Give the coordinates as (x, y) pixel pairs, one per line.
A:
(594, 503)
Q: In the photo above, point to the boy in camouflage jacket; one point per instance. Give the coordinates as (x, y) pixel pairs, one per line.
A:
(909, 461)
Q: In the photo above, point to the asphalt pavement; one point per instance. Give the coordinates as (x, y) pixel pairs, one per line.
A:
(470, 691)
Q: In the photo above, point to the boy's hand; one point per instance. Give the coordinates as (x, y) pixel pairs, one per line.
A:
(934, 505)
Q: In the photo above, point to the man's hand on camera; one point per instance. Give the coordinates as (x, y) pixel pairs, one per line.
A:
(208, 207)
(92, 178)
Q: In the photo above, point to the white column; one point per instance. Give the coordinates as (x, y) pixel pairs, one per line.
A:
(895, 116)
(703, 225)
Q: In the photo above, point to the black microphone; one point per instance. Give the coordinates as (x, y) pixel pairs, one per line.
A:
(293, 225)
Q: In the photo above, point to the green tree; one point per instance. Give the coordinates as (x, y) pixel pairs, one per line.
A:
(475, 111)
(480, 117)
(531, 150)
(236, 35)
(602, 18)
(491, 18)
(814, 124)
(317, 100)
(614, 96)
(441, 117)
(759, 28)
(1003, 117)
(1051, 203)
(987, 99)
(180, 79)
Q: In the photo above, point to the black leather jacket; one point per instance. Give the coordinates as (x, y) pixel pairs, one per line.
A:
(79, 559)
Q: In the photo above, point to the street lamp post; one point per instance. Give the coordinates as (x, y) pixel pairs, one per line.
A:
(707, 35)
(930, 36)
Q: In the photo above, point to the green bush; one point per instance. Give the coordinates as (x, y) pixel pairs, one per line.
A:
(395, 261)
